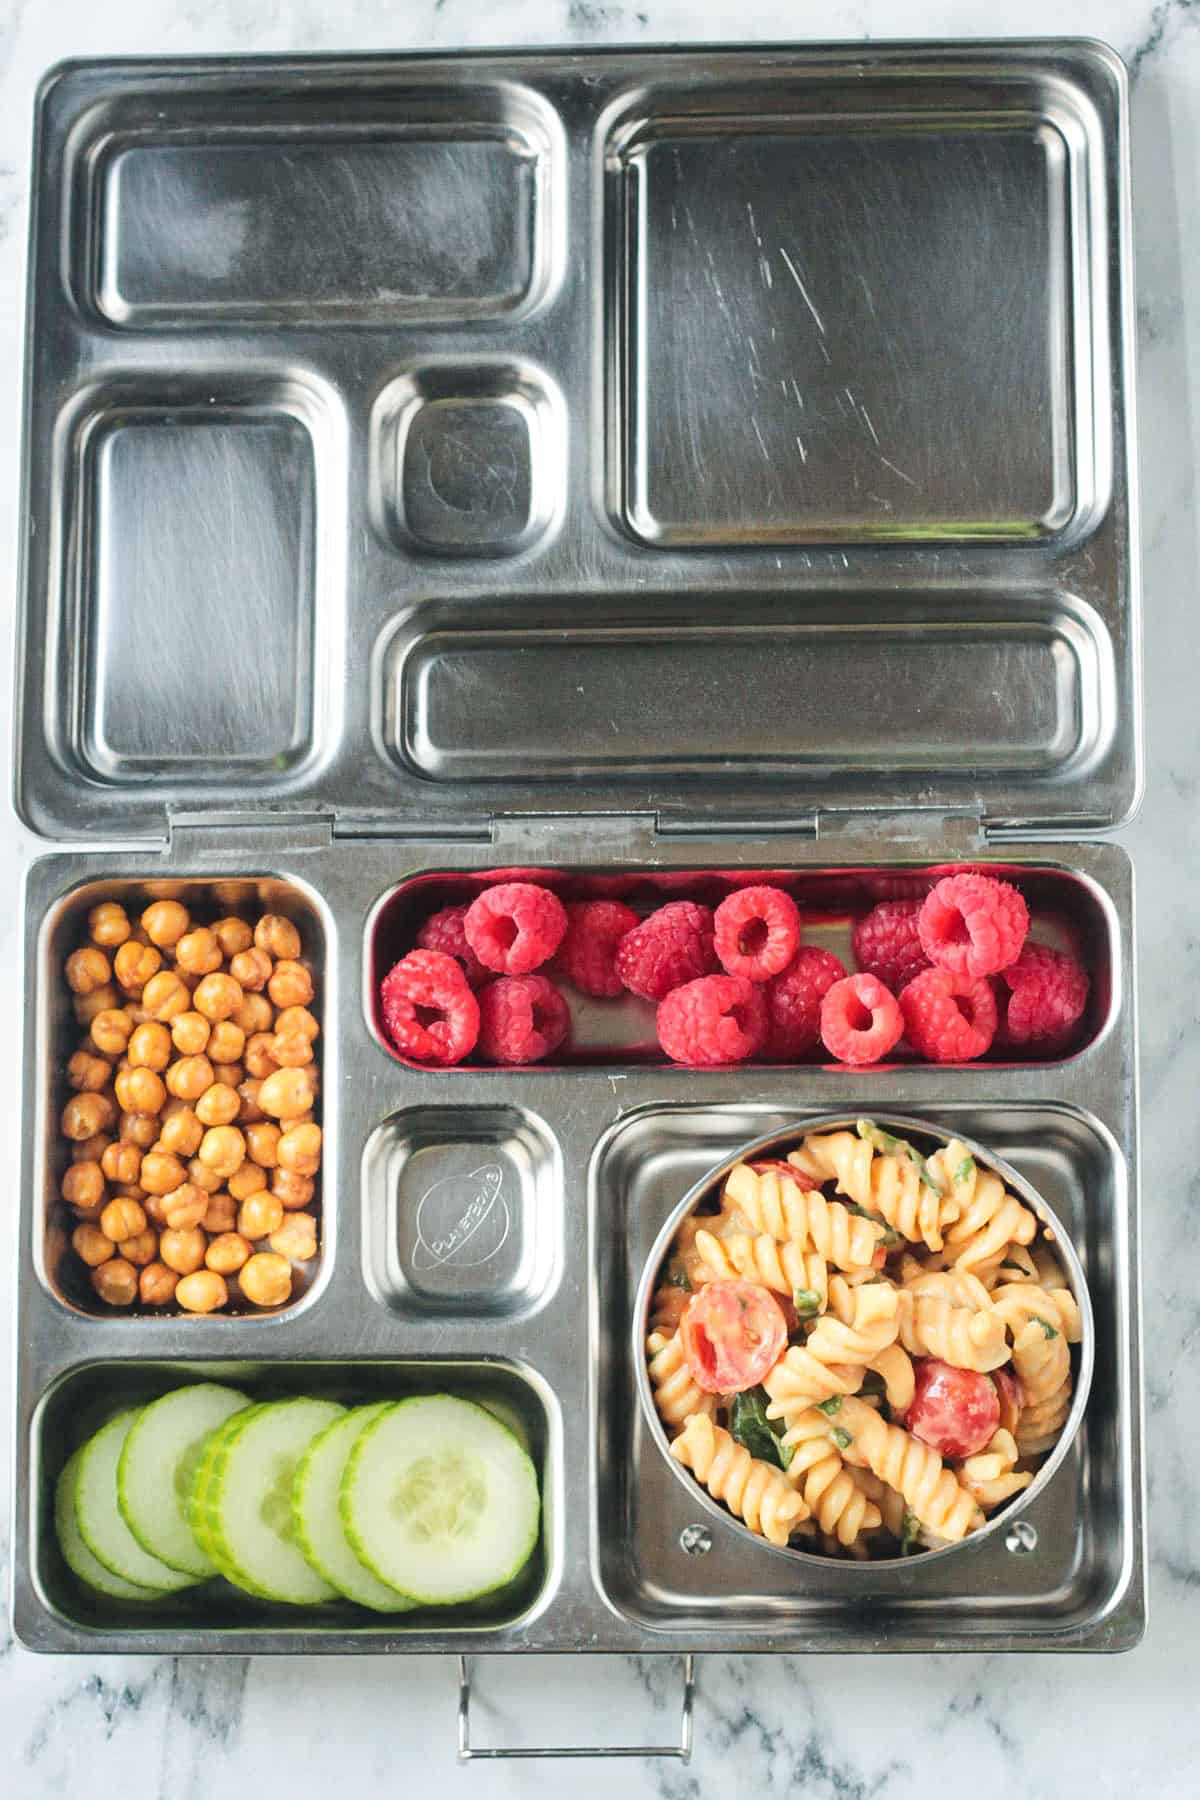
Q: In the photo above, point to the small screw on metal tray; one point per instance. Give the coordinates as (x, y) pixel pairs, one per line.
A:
(1022, 1538)
(695, 1540)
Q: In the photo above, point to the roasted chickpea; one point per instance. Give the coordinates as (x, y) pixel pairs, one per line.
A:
(247, 1180)
(86, 1114)
(296, 1237)
(140, 1250)
(277, 936)
(255, 1014)
(290, 985)
(165, 996)
(266, 1279)
(122, 1219)
(90, 1244)
(183, 1251)
(140, 1090)
(185, 1206)
(190, 1077)
(90, 1149)
(164, 922)
(250, 1112)
(217, 997)
(116, 1282)
(111, 1031)
(87, 1007)
(157, 1284)
(222, 1213)
(150, 1048)
(182, 1131)
(251, 969)
(198, 953)
(203, 1176)
(138, 1128)
(229, 1074)
(226, 1043)
(87, 969)
(233, 935)
(262, 1143)
(220, 1105)
(122, 1162)
(87, 1072)
(162, 1172)
(297, 1018)
(300, 1149)
(287, 1093)
(135, 965)
(83, 1185)
(260, 1215)
(228, 1252)
(259, 1059)
(204, 1292)
(292, 1191)
(108, 924)
(291, 1049)
(190, 1033)
(131, 1190)
(155, 1211)
(223, 1149)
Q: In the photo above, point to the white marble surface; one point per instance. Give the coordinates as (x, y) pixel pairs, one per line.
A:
(858, 1730)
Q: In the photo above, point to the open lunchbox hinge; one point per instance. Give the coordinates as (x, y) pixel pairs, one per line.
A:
(301, 830)
(923, 830)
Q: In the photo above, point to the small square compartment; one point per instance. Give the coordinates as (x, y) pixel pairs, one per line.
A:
(462, 1211)
(467, 459)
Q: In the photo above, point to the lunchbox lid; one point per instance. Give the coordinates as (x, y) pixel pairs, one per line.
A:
(784, 473)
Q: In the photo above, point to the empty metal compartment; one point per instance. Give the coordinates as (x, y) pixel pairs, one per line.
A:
(478, 539)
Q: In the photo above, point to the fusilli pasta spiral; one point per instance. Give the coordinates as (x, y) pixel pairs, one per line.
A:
(991, 1477)
(783, 1267)
(770, 1202)
(931, 1491)
(676, 1393)
(885, 1183)
(750, 1488)
(931, 1326)
(837, 1352)
(990, 1219)
(840, 1508)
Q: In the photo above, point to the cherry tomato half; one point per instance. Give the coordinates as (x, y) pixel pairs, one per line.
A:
(733, 1333)
(955, 1411)
(772, 1166)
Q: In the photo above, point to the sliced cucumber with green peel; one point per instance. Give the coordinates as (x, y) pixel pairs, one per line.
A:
(76, 1554)
(245, 1510)
(319, 1529)
(440, 1501)
(101, 1525)
(162, 1452)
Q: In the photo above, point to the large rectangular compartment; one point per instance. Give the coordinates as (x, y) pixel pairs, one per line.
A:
(363, 559)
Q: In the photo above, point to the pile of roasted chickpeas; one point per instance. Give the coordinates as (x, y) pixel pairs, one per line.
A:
(194, 1150)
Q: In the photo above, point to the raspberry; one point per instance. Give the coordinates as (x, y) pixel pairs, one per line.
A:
(515, 927)
(949, 1018)
(886, 943)
(429, 1012)
(444, 931)
(757, 932)
(716, 1019)
(794, 1003)
(588, 952)
(522, 1018)
(973, 925)
(860, 1020)
(674, 945)
(1041, 997)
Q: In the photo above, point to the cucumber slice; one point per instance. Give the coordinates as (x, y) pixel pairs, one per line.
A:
(76, 1554)
(247, 1502)
(194, 1505)
(319, 1530)
(440, 1500)
(154, 1476)
(101, 1526)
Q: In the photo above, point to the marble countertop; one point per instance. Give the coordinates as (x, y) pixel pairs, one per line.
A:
(857, 1729)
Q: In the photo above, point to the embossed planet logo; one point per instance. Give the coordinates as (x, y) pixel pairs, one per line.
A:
(462, 1219)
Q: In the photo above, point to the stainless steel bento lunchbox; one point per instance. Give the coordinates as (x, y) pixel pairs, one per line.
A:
(640, 470)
